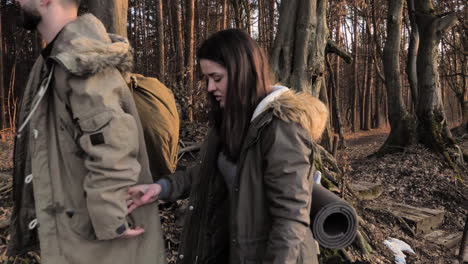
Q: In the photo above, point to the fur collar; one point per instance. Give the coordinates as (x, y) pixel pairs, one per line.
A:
(297, 107)
(85, 48)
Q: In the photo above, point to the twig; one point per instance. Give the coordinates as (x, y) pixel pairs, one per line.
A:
(6, 188)
(181, 154)
(190, 148)
(406, 227)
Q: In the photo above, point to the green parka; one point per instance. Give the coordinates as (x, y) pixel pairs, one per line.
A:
(78, 154)
(266, 218)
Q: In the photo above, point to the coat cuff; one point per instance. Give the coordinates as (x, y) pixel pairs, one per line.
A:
(165, 189)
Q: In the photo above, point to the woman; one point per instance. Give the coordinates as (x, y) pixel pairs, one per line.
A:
(250, 193)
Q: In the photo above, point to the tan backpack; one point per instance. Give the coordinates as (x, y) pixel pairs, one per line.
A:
(160, 121)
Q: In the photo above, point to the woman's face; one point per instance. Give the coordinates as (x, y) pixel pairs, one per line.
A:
(217, 79)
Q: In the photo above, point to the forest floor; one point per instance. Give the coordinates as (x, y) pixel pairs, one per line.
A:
(414, 177)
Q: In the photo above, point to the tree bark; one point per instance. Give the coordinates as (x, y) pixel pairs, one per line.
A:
(367, 107)
(306, 26)
(248, 17)
(402, 124)
(336, 110)
(271, 24)
(318, 46)
(113, 14)
(225, 12)
(2, 84)
(160, 40)
(236, 4)
(298, 57)
(412, 53)
(189, 54)
(354, 99)
(178, 42)
(282, 55)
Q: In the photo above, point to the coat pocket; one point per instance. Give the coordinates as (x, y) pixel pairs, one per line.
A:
(96, 122)
(81, 224)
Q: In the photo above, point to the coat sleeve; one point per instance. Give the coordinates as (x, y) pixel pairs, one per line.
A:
(288, 187)
(181, 183)
(110, 141)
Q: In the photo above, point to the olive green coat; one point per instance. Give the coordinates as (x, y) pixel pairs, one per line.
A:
(265, 220)
(82, 148)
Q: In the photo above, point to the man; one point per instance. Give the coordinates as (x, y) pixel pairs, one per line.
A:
(79, 147)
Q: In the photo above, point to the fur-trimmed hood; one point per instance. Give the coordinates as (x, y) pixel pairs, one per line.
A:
(84, 48)
(298, 107)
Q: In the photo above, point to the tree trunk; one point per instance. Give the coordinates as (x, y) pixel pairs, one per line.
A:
(433, 130)
(367, 108)
(271, 23)
(113, 14)
(2, 84)
(402, 124)
(412, 53)
(225, 12)
(306, 26)
(160, 40)
(335, 83)
(261, 24)
(318, 46)
(298, 57)
(336, 110)
(178, 42)
(236, 5)
(283, 49)
(354, 99)
(248, 17)
(189, 54)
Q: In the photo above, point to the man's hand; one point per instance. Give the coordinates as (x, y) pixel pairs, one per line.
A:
(142, 194)
(131, 233)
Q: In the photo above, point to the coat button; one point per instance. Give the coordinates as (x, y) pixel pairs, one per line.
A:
(32, 224)
(181, 256)
(28, 179)
(35, 133)
(191, 208)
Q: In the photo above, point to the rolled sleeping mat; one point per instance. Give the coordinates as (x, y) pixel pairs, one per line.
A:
(333, 221)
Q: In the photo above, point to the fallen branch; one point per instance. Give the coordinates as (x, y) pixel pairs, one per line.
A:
(6, 188)
(194, 147)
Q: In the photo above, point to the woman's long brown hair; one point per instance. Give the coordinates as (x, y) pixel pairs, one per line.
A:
(248, 83)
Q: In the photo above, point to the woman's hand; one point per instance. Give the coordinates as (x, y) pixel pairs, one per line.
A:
(131, 233)
(142, 194)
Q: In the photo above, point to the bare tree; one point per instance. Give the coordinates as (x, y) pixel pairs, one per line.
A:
(402, 123)
(433, 130)
(2, 87)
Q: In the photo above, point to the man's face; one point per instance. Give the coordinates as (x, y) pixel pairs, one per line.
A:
(30, 16)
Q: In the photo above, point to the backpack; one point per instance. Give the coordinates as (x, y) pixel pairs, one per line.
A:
(160, 122)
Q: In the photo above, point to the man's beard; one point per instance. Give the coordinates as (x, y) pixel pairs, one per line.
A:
(29, 19)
